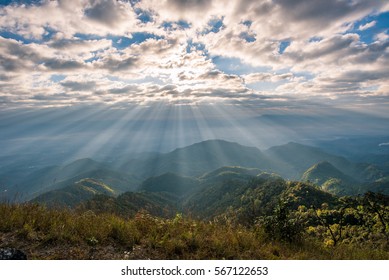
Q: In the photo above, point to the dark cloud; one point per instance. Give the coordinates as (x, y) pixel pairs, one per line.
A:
(64, 44)
(23, 52)
(108, 12)
(16, 57)
(323, 48)
(358, 76)
(371, 53)
(217, 75)
(115, 65)
(62, 65)
(130, 89)
(3, 77)
(190, 4)
(335, 44)
(79, 86)
(52, 97)
(324, 11)
(10, 64)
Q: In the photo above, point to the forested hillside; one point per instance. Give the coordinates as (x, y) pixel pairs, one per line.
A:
(192, 206)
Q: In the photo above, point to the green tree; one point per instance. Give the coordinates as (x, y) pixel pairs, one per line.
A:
(282, 225)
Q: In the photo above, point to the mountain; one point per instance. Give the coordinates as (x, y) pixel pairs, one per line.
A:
(171, 183)
(305, 194)
(257, 197)
(290, 161)
(330, 178)
(197, 159)
(206, 161)
(319, 173)
(293, 159)
(236, 195)
(57, 177)
(74, 194)
(121, 182)
(42, 179)
(229, 173)
(356, 148)
(379, 186)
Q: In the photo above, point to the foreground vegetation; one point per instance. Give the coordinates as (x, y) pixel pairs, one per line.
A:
(354, 228)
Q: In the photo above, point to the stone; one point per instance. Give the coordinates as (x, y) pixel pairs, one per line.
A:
(12, 254)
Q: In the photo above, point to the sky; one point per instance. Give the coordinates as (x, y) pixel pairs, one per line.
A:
(203, 60)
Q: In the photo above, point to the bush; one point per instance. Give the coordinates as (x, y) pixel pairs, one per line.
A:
(282, 226)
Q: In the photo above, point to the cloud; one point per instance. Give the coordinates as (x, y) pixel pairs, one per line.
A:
(69, 17)
(117, 63)
(367, 25)
(266, 77)
(108, 12)
(382, 37)
(189, 4)
(79, 86)
(169, 51)
(60, 65)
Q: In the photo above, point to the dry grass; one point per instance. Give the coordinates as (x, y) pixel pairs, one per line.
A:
(66, 234)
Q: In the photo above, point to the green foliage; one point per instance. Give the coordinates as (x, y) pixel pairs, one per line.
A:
(285, 233)
(170, 182)
(228, 173)
(330, 178)
(128, 204)
(74, 194)
(282, 225)
(299, 193)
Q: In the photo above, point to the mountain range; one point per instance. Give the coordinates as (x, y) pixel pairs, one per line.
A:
(186, 171)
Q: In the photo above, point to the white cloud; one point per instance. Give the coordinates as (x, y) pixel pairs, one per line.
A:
(266, 77)
(70, 17)
(383, 36)
(367, 25)
(77, 38)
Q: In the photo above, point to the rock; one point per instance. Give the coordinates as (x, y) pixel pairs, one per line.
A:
(12, 254)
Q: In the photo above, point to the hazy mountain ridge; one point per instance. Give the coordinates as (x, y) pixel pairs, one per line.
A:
(196, 159)
(331, 179)
(200, 161)
(171, 183)
(74, 194)
(57, 177)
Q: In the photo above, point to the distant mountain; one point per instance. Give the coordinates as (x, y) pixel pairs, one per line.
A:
(198, 159)
(258, 195)
(379, 186)
(211, 161)
(43, 178)
(319, 173)
(121, 182)
(330, 178)
(56, 177)
(171, 183)
(230, 173)
(247, 200)
(357, 148)
(366, 172)
(74, 194)
(293, 159)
